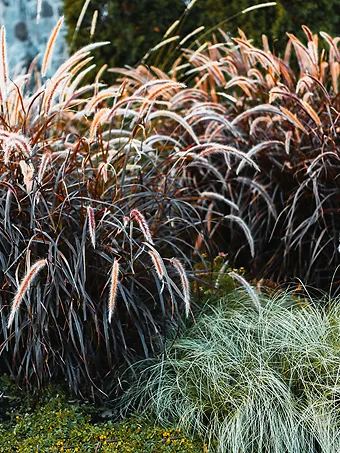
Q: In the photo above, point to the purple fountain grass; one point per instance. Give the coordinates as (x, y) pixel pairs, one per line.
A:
(79, 195)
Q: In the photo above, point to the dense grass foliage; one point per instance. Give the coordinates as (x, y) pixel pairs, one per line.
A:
(90, 219)
(259, 141)
(55, 424)
(253, 379)
(110, 195)
(115, 202)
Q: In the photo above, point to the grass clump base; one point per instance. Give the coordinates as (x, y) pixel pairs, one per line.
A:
(253, 379)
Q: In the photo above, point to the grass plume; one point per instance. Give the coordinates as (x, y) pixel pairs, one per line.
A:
(113, 289)
(50, 46)
(157, 261)
(92, 225)
(136, 214)
(24, 286)
(185, 283)
(4, 64)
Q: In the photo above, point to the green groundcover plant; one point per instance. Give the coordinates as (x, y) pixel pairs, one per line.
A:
(55, 425)
(254, 374)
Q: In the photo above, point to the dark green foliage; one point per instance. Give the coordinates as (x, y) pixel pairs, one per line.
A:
(57, 425)
(216, 280)
(133, 26)
(274, 22)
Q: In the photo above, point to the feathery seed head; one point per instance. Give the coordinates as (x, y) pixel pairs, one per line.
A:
(46, 158)
(190, 4)
(53, 89)
(113, 288)
(50, 46)
(157, 262)
(100, 117)
(23, 288)
(14, 141)
(94, 23)
(27, 171)
(135, 214)
(92, 225)
(185, 283)
(3, 66)
(7, 148)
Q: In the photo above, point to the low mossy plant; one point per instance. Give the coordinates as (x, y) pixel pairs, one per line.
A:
(58, 425)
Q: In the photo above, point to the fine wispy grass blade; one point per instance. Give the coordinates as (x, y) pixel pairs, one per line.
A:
(50, 46)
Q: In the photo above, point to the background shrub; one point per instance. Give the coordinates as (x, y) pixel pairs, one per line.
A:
(131, 27)
(134, 27)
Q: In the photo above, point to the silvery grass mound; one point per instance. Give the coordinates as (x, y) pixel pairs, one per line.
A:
(259, 379)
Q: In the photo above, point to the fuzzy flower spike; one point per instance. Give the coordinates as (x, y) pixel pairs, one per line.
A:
(113, 289)
(91, 225)
(135, 214)
(24, 287)
(185, 283)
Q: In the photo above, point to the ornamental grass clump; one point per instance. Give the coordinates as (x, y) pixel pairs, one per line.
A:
(92, 208)
(261, 131)
(251, 381)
